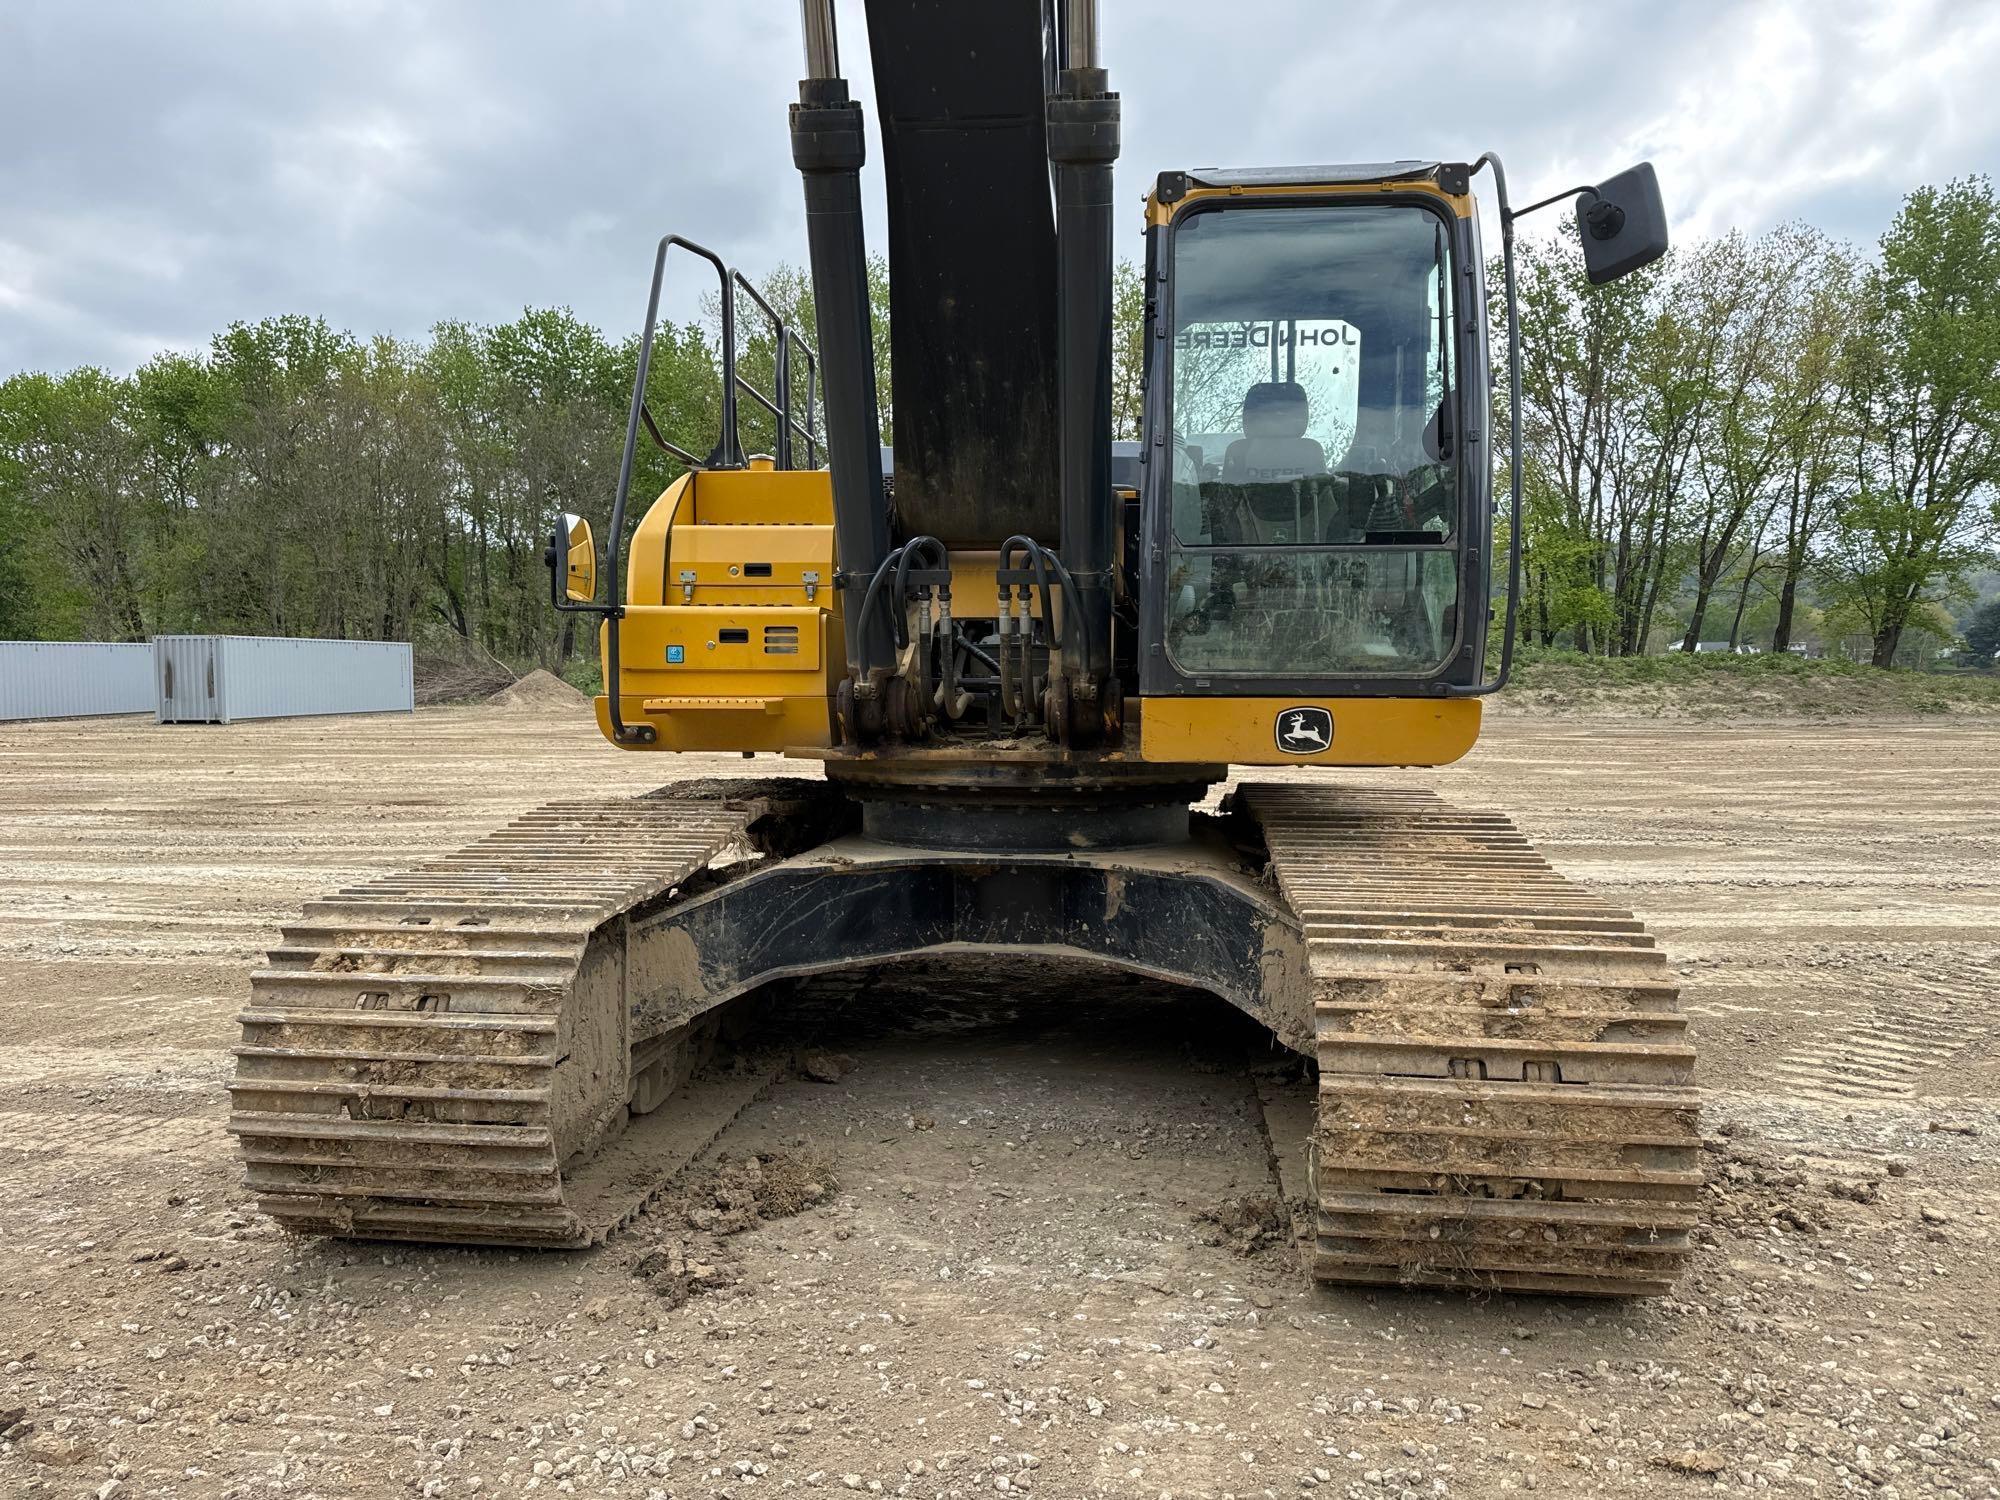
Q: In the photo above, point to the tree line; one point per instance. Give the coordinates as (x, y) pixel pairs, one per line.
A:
(1764, 426)
(294, 479)
(1758, 434)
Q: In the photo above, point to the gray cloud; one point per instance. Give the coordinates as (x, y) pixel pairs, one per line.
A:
(172, 168)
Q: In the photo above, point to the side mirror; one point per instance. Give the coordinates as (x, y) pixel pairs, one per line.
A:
(1622, 223)
(572, 559)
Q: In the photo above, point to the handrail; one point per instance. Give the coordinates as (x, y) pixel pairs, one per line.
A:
(726, 454)
(779, 402)
(728, 451)
(812, 393)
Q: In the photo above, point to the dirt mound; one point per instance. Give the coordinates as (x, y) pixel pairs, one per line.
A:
(739, 1193)
(827, 1067)
(731, 1197)
(1246, 1225)
(692, 1266)
(539, 690)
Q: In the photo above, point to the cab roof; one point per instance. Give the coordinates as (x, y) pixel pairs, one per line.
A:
(1449, 175)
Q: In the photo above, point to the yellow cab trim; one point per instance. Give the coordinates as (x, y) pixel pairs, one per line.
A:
(1158, 213)
(1365, 731)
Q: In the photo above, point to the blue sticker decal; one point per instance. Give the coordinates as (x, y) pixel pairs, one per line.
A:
(676, 655)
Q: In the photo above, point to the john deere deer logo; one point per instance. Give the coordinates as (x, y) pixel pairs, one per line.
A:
(1305, 730)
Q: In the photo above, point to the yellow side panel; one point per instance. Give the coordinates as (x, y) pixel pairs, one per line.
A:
(764, 497)
(1366, 731)
(752, 564)
(647, 556)
(975, 595)
(975, 588)
(729, 725)
(728, 678)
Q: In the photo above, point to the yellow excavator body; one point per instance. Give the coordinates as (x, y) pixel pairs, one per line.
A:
(732, 642)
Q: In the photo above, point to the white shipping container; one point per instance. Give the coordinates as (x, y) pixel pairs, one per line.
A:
(74, 679)
(219, 679)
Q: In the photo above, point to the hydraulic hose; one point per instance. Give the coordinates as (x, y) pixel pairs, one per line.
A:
(1039, 554)
(1073, 598)
(875, 588)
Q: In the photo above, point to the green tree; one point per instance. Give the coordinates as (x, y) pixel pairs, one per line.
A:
(1982, 634)
(180, 417)
(1926, 406)
(1128, 351)
(1814, 472)
(277, 378)
(1746, 430)
(459, 372)
(560, 394)
(38, 598)
(1614, 383)
(68, 454)
(20, 602)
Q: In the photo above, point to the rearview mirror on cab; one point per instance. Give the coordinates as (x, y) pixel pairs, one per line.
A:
(1622, 223)
(572, 559)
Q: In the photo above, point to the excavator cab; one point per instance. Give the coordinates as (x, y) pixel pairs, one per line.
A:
(1319, 515)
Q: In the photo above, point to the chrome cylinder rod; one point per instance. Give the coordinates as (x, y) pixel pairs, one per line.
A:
(1081, 34)
(822, 38)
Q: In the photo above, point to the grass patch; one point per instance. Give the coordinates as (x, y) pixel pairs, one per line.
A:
(1717, 685)
(585, 674)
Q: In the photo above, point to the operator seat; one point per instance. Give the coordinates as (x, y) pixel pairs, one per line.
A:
(1274, 446)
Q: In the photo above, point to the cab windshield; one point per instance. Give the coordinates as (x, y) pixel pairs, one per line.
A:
(1315, 465)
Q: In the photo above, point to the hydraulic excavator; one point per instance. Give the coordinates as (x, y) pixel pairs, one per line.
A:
(1018, 678)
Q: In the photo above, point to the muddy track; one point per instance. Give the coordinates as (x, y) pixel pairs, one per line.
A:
(1506, 1086)
(440, 1054)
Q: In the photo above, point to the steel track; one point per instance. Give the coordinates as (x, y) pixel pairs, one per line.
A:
(1506, 1092)
(420, 1058)
(1506, 1086)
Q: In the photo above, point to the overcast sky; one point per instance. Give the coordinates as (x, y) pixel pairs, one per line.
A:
(169, 167)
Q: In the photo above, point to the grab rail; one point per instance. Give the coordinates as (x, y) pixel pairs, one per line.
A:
(779, 403)
(728, 450)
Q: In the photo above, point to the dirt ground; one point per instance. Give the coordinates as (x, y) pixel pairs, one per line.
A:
(1003, 1276)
